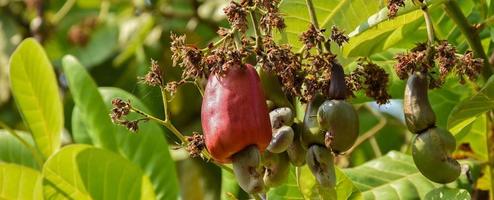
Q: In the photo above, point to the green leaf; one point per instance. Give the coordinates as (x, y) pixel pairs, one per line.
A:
(288, 190)
(147, 147)
(229, 185)
(384, 35)
(92, 109)
(448, 193)
(19, 182)
(393, 176)
(85, 172)
(306, 187)
(13, 151)
(35, 89)
(469, 109)
(346, 14)
(80, 132)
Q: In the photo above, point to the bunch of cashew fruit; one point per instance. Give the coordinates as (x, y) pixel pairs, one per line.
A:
(239, 129)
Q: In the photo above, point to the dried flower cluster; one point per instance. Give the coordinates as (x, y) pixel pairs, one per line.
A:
(154, 77)
(236, 15)
(393, 6)
(272, 18)
(443, 54)
(338, 36)
(312, 37)
(195, 144)
(118, 113)
(280, 60)
(372, 78)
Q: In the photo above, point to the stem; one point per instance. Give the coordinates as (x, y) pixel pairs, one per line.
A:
(180, 136)
(165, 103)
(36, 154)
(429, 25)
(454, 12)
(375, 147)
(219, 42)
(103, 12)
(63, 11)
(313, 19)
(167, 124)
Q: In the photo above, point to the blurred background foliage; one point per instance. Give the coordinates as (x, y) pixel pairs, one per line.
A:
(116, 39)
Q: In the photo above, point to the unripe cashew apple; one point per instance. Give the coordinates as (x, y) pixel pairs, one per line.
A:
(418, 111)
(311, 133)
(321, 163)
(430, 153)
(340, 120)
(234, 113)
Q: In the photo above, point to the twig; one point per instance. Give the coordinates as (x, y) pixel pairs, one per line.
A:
(63, 11)
(180, 136)
(429, 24)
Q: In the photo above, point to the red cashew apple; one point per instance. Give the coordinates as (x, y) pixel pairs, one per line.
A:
(234, 113)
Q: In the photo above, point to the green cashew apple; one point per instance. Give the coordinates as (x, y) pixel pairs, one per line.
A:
(282, 139)
(296, 152)
(246, 167)
(311, 133)
(281, 116)
(430, 153)
(276, 168)
(321, 164)
(340, 121)
(419, 115)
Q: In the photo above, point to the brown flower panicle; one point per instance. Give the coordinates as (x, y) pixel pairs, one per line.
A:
(236, 15)
(154, 77)
(468, 66)
(372, 78)
(446, 58)
(338, 36)
(312, 37)
(195, 144)
(280, 60)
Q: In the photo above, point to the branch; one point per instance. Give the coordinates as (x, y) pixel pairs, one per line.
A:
(454, 12)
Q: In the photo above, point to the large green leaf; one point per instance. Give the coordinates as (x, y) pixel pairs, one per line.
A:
(301, 184)
(393, 176)
(13, 151)
(35, 89)
(147, 147)
(85, 172)
(346, 14)
(19, 182)
(448, 193)
(80, 132)
(465, 112)
(89, 101)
